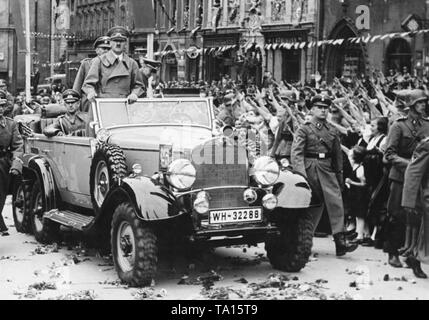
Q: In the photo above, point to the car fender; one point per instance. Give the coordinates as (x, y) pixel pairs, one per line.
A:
(152, 200)
(44, 172)
(292, 191)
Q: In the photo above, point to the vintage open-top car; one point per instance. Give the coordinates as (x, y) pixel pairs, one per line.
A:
(156, 171)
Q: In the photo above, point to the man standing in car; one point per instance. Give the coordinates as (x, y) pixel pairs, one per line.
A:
(114, 74)
(101, 46)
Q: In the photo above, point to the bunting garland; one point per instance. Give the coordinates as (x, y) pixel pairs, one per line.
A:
(335, 42)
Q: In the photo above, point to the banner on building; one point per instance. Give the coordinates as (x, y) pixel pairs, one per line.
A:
(19, 23)
(143, 14)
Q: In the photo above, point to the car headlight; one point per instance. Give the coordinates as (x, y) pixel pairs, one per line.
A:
(181, 174)
(103, 135)
(266, 171)
(201, 203)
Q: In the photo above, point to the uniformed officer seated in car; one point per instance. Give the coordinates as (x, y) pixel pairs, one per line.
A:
(72, 123)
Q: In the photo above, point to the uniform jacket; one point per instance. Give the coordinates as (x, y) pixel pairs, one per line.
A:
(111, 78)
(67, 124)
(416, 193)
(316, 137)
(283, 141)
(11, 142)
(404, 136)
(80, 79)
(324, 175)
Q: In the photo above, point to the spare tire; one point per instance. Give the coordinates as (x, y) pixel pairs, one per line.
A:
(107, 168)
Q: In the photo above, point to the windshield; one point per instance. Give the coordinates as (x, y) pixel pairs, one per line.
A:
(179, 112)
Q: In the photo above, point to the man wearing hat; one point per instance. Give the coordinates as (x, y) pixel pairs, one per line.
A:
(317, 155)
(101, 46)
(404, 136)
(114, 74)
(71, 123)
(148, 72)
(11, 148)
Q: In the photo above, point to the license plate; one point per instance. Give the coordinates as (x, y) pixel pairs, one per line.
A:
(235, 215)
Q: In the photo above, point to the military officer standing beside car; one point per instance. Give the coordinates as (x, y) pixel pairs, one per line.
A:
(404, 136)
(114, 74)
(73, 122)
(11, 148)
(317, 155)
(415, 200)
(101, 46)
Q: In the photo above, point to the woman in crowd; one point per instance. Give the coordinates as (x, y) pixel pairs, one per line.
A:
(358, 196)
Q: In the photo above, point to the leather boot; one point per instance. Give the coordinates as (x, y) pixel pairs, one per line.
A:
(416, 266)
(394, 261)
(342, 246)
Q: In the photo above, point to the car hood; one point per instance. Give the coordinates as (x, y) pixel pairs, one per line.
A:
(149, 138)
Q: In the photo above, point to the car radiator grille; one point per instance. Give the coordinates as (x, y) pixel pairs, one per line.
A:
(223, 166)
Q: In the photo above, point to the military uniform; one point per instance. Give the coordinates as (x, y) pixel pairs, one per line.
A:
(11, 149)
(79, 80)
(404, 136)
(101, 42)
(416, 194)
(317, 155)
(69, 123)
(111, 78)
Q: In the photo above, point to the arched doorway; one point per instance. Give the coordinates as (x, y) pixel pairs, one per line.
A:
(169, 64)
(348, 59)
(398, 55)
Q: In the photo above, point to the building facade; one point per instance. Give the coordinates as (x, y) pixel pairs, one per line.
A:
(230, 37)
(363, 18)
(12, 42)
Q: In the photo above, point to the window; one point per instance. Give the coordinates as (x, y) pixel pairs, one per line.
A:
(278, 10)
(173, 12)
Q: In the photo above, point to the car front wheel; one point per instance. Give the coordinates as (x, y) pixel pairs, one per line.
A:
(291, 250)
(134, 247)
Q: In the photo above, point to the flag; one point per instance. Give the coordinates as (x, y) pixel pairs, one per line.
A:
(143, 13)
(19, 23)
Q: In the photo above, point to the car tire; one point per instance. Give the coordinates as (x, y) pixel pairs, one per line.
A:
(45, 231)
(107, 168)
(291, 250)
(21, 207)
(134, 247)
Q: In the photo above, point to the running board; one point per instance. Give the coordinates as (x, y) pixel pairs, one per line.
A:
(69, 218)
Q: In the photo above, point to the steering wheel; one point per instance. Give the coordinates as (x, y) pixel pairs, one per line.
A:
(180, 117)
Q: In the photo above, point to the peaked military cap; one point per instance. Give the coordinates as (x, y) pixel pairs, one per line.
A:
(71, 95)
(153, 64)
(321, 100)
(118, 33)
(102, 42)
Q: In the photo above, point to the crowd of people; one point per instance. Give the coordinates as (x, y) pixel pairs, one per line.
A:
(362, 143)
